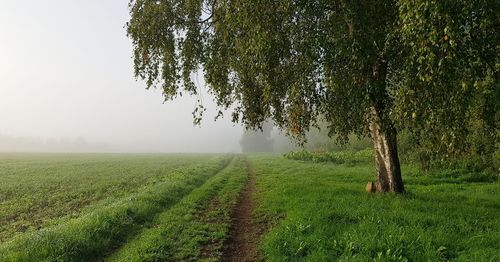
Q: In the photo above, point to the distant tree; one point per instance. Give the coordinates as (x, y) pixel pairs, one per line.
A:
(318, 139)
(366, 67)
(258, 140)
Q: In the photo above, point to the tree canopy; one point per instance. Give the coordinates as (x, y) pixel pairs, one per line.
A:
(426, 63)
(364, 67)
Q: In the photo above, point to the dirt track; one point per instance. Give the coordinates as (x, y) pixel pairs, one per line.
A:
(244, 236)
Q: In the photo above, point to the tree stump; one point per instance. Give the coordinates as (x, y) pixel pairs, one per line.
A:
(370, 187)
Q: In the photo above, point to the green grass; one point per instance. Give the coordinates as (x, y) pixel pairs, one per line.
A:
(37, 189)
(321, 213)
(99, 207)
(108, 224)
(200, 221)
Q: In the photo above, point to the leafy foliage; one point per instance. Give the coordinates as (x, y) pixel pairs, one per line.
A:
(363, 156)
(449, 82)
(426, 66)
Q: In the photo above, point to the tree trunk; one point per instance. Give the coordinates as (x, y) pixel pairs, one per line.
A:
(386, 154)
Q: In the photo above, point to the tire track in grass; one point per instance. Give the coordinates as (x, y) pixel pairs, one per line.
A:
(216, 214)
(245, 233)
(180, 233)
(93, 235)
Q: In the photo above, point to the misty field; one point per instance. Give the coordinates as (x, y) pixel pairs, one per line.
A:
(147, 207)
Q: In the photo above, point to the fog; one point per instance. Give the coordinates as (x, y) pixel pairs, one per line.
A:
(66, 84)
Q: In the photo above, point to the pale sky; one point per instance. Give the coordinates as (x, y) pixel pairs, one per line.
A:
(66, 72)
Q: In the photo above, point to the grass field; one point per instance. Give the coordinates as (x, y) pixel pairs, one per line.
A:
(321, 213)
(107, 207)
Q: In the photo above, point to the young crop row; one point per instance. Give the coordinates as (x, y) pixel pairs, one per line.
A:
(95, 234)
(346, 157)
(42, 190)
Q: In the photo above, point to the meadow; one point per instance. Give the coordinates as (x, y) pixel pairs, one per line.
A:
(151, 207)
(321, 213)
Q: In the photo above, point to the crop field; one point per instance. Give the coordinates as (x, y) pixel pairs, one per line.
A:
(153, 207)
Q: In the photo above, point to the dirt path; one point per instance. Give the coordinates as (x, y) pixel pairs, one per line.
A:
(245, 233)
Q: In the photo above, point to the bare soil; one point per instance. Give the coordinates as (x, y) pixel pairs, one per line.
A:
(245, 233)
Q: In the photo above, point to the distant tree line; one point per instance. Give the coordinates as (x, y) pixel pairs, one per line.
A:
(259, 140)
(9, 143)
